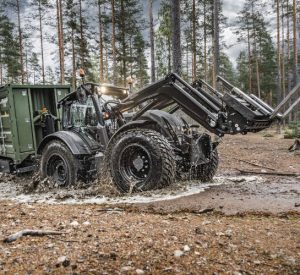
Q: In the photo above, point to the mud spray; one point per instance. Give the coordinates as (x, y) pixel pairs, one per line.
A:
(13, 188)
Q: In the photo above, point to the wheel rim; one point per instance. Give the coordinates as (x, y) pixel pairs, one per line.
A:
(57, 169)
(135, 163)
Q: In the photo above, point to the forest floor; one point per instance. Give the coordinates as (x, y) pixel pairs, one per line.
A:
(240, 224)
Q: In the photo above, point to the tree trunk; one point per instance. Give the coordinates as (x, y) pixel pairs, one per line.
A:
(60, 36)
(216, 42)
(26, 65)
(176, 36)
(73, 61)
(295, 50)
(153, 73)
(1, 70)
(282, 51)
(194, 63)
(101, 42)
(106, 64)
(123, 42)
(62, 50)
(42, 42)
(169, 54)
(205, 40)
(288, 53)
(255, 53)
(20, 41)
(114, 42)
(278, 54)
(82, 54)
(249, 59)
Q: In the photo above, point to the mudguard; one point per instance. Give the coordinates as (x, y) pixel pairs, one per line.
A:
(73, 140)
(157, 120)
(161, 118)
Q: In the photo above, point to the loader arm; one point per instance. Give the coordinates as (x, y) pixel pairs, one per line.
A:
(228, 112)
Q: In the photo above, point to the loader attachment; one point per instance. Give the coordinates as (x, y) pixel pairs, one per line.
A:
(228, 112)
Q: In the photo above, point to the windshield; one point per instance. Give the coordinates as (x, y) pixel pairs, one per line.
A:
(82, 115)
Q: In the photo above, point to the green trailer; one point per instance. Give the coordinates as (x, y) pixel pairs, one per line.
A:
(27, 114)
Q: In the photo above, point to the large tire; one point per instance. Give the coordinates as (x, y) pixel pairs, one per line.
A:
(141, 160)
(59, 164)
(206, 172)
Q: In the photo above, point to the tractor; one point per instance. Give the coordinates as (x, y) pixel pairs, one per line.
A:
(140, 137)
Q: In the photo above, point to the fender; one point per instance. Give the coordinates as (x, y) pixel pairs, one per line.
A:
(74, 142)
(131, 125)
(161, 118)
(156, 120)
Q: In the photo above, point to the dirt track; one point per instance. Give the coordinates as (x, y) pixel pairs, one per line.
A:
(172, 236)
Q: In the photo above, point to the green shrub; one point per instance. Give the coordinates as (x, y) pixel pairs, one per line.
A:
(292, 130)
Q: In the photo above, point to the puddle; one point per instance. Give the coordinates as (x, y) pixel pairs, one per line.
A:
(12, 191)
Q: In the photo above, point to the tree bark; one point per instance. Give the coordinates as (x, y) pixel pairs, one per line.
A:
(205, 40)
(216, 42)
(20, 34)
(194, 63)
(282, 51)
(123, 42)
(152, 46)
(249, 59)
(60, 40)
(288, 52)
(42, 42)
(62, 49)
(278, 54)
(1, 70)
(73, 61)
(82, 54)
(295, 50)
(114, 42)
(255, 53)
(176, 36)
(101, 42)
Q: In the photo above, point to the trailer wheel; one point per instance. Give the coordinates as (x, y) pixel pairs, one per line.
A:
(59, 164)
(141, 160)
(207, 171)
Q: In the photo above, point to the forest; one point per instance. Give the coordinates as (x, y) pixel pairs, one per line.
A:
(114, 40)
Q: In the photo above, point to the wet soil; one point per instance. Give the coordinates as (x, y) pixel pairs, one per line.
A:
(239, 224)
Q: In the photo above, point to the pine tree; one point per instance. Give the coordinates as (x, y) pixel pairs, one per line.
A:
(129, 22)
(10, 68)
(243, 71)
(140, 61)
(40, 10)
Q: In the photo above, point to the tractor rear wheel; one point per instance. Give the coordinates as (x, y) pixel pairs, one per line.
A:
(206, 172)
(141, 160)
(59, 164)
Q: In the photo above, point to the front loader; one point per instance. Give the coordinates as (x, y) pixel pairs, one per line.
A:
(141, 139)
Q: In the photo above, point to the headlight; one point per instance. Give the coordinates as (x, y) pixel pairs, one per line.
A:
(103, 89)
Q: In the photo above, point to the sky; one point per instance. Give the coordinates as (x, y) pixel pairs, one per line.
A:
(231, 9)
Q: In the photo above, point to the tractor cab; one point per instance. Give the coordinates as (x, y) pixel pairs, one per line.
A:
(87, 110)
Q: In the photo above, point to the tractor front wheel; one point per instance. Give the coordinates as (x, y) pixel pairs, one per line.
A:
(141, 160)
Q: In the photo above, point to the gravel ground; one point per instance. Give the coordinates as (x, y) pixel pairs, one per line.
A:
(237, 225)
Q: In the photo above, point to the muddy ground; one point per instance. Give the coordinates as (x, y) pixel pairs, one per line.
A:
(239, 224)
